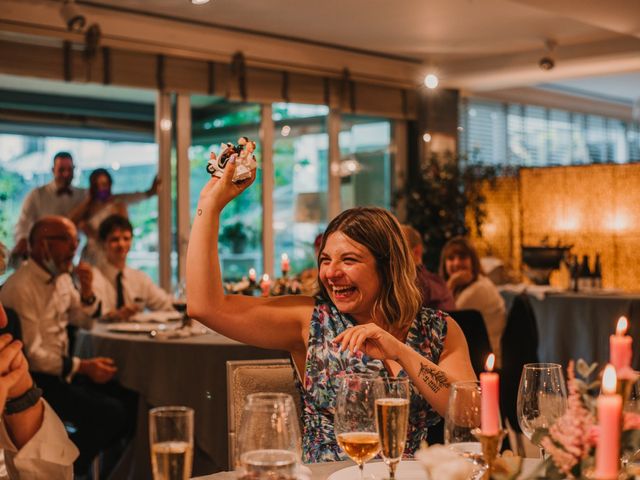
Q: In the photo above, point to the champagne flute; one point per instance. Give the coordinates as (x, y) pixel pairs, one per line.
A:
(355, 424)
(542, 397)
(392, 418)
(171, 439)
(269, 443)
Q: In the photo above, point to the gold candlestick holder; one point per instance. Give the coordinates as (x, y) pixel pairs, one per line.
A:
(490, 447)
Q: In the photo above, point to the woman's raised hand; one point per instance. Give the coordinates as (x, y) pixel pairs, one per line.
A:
(371, 340)
(220, 191)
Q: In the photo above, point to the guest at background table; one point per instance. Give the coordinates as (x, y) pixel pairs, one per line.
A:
(43, 295)
(460, 267)
(57, 197)
(367, 318)
(100, 204)
(435, 292)
(124, 291)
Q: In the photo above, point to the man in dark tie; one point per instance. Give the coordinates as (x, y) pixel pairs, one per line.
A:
(123, 290)
(57, 197)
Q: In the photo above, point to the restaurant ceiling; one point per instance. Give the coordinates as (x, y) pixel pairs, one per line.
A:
(473, 44)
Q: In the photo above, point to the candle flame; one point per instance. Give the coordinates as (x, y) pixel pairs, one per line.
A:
(265, 277)
(621, 327)
(609, 380)
(285, 257)
(491, 360)
(252, 271)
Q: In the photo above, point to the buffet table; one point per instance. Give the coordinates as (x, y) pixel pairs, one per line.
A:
(578, 325)
(186, 371)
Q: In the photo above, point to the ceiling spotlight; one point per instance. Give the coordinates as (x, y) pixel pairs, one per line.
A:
(547, 62)
(431, 81)
(199, 2)
(73, 19)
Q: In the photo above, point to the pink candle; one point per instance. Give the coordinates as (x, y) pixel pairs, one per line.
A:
(490, 409)
(284, 263)
(620, 352)
(265, 285)
(609, 418)
(252, 274)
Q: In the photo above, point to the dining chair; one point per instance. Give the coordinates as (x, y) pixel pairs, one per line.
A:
(475, 332)
(255, 376)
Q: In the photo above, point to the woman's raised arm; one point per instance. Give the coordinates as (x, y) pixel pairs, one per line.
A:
(278, 322)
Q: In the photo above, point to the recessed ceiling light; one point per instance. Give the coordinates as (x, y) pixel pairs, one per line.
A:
(199, 2)
(431, 81)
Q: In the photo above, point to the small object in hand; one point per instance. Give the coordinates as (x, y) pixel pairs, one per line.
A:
(245, 159)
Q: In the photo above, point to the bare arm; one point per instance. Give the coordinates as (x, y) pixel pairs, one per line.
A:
(433, 381)
(278, 323)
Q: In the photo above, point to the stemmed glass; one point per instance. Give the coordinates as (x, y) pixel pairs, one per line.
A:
(392, 418)
(542, 397)
(355, 423)
(269, 438)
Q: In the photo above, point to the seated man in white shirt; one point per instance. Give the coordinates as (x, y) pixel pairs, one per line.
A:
(124, 291)
(42, 293)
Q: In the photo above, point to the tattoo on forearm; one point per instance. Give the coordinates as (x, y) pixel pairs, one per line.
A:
(435, 379)
(199, 212)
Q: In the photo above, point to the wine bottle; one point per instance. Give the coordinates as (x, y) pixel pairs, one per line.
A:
(574, 269)
(597, 273)
(584, 276)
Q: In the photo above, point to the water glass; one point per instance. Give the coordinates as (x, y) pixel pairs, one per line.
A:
(171, 440)
(542, 397)
(269, 444)
(392, 418)
(463, 415)
(355, 421)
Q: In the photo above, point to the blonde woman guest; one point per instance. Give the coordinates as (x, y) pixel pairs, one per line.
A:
(460, 267)
(367, 317)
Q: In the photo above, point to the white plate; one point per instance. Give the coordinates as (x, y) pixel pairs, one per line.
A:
(134, 327)
(407, 470)
(160, 316)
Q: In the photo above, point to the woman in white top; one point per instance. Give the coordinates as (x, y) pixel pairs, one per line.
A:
(460, 267)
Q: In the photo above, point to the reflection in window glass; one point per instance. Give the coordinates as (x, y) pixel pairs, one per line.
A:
(366, 162)
(300, 159)
(26, 161)
(241, 221)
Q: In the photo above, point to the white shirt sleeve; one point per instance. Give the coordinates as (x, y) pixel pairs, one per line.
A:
(28, 215)
(155, 298)
(49, 454)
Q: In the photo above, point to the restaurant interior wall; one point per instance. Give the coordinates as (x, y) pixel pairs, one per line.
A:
(591, 207)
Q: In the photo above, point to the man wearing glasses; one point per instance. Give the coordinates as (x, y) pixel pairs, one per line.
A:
(43, 294)
(57, 197)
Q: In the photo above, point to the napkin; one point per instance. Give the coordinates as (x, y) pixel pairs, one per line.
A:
(441, 462)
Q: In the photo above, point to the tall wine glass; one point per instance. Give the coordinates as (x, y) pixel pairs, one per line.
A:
(269, 438)
(542, 397)
(355, 423)
(171, 440)
(392, 418)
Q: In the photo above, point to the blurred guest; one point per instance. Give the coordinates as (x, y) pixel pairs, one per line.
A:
(57, 197)
(460, 267)
(101, 203)
(124, 291)
(42, 293)
(435, 293)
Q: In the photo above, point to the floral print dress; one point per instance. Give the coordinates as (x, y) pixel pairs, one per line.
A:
(325, 364)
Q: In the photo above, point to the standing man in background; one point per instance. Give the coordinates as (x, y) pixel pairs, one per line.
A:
(57, 197)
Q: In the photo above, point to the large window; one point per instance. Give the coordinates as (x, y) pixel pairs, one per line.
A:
(527, 135)
(300, 162)
(366, 162)
(26, 161)
(214, 123)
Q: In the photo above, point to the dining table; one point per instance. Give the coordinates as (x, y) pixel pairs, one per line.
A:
(577, 325)
(188, 370)
(322, 471)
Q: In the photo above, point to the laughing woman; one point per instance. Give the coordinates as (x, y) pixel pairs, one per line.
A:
(367, 317)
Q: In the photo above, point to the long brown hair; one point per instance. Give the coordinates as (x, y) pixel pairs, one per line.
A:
(377, 229)
(464, 248)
